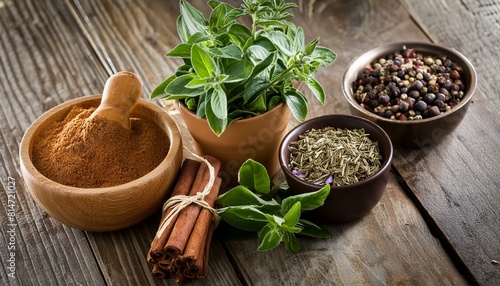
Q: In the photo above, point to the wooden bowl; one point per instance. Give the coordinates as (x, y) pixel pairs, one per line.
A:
(349, 202)
(110, 208)
(412, 133)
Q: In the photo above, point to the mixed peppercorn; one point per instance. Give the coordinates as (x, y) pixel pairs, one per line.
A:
(407, 85)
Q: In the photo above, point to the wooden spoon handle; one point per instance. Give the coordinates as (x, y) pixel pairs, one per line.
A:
(121, 93)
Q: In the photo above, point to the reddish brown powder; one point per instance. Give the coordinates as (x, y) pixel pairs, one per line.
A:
(98, 152)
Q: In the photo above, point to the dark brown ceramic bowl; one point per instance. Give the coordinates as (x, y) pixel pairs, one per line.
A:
(345, 203)
(413, 133)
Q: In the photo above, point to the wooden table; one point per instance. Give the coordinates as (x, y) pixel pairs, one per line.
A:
(438, 222)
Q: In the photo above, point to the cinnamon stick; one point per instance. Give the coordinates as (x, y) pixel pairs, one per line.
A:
(187, 217)
(188, 173)
(195, 248)
(179, 274)
(165, 264)
(198, 267)
(204, 262)
(158, 272)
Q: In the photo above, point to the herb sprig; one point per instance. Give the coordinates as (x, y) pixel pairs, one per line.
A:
(232, 71)
(255, 205)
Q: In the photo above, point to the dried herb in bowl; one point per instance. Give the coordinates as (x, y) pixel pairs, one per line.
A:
(336, 156)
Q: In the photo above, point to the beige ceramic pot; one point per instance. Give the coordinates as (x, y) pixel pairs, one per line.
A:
(257, 138)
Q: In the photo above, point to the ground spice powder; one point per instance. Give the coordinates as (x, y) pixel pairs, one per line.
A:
(98, 152)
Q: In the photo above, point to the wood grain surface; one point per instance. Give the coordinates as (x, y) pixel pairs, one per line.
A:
(437, 223)
(456, 181)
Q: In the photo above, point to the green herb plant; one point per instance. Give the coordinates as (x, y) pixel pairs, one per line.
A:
(231, 71)
(255, 205)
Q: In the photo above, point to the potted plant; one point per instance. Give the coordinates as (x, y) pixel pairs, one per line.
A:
(234, 74)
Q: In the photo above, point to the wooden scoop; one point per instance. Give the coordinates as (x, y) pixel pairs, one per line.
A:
(121, 93)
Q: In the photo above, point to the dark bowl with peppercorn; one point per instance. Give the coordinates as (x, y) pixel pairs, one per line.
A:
(417, 92)
(350, 201)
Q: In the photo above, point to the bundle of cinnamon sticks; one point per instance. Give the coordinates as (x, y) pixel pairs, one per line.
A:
(181, 246)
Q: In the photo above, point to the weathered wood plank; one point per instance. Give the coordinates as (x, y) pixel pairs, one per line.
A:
(43, 63)
(132, 35)
(457, 179)
(388, 242)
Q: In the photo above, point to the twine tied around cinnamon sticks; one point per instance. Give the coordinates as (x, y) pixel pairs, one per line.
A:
(178, 202)
(181, 245)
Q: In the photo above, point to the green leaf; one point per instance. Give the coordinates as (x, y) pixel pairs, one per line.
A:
(297, 103)
(313, 230)
(193, 20)
(243, 217)
(273, 102)
(324, 56)
(177, 89)
(293, 215)
(316, 88)
(180, 51)
(298, 40)
(198, 37)
(183, 70)
(241, 114)
(309, 201)
(274, 219)
(303, 73)
(291, 243)
(202, 62)
(190, 103)
(213, 3)
(265, 43)
(197, 82)
(264, 64)
(202, 106)
(240, 195)
(270, 24)
(256, 54)
(281, 41)
(218, 125)
(269, 238)
(238, 71)
(309, 49)
(239, 34)
(254, 87)
(217, 17)
(228, 52)
(258, 105)
(232, 14)
(223, 16)
(218, 102)
(278, 68)
(181, 30)
(254, 176)
(159, 91)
